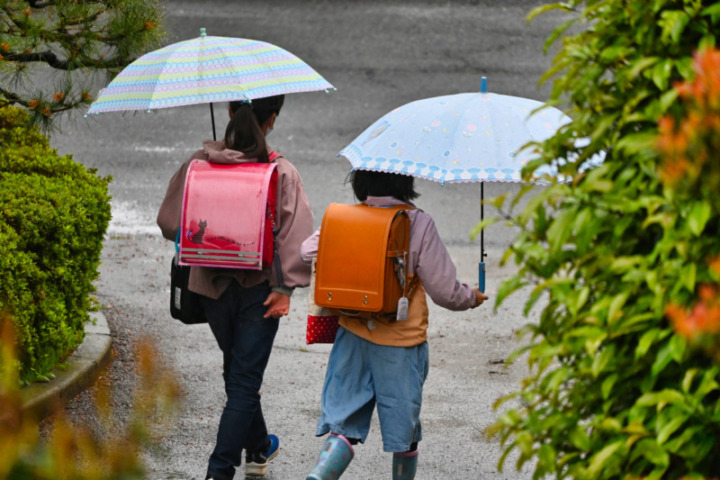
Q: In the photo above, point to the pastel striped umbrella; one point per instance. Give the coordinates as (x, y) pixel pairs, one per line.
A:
(206, 70)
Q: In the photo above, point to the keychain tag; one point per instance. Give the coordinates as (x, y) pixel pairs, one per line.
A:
(402, 310)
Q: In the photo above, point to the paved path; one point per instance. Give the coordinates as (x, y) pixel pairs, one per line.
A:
(82, 370)
(379, 55)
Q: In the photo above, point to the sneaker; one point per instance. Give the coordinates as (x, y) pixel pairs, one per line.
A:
(256, 463)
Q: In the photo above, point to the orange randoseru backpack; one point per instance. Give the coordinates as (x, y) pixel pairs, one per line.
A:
(362, 258)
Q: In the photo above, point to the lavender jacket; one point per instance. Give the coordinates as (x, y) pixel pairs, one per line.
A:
(294, 221)
(429, 259)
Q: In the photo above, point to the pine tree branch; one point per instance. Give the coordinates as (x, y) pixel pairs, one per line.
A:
(46, 57)
(54, 61)
(12, 98)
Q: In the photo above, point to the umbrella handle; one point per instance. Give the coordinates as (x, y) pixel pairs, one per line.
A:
(481, 276)
(212, 119)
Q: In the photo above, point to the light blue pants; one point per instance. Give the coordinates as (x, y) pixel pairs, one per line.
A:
(360, 375)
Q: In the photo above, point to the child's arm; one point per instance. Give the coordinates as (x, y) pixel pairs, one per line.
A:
(439, 275)
(309, 248)
(295, 224)
(168, 218)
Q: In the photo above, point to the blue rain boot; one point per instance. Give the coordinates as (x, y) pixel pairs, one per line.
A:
(333, 460)
(404, 465)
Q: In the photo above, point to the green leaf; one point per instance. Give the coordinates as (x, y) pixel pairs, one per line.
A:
(636, 142)
(498, 201)
(557, 33)
(673, 22)
(660, 74)
(578, 300)
(607, 386)
(678, 346)
(708, 384)
(547, 8)
(507, 287)
(689, 274)
(559, 231)
(580, 439)
(688, 378)
(677, 421)
(524, 441)
(622, 264)
(699, 216)
(616, 305)
(660, 399)
(603, 458)
(667, 99)
(664, 357)
(653, 452)
(601, 361)
(712, 11)
(641, 64)
(482, 225)
(547, 455)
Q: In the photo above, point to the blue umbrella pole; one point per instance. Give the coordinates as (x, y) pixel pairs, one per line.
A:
(481, 265)
(212, 119)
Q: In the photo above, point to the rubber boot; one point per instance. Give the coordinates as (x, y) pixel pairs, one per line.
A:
(404, 465)
(334, 459)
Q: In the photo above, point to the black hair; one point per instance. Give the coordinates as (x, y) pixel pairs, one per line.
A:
(244, 132)
(263, 108)
(367, 183)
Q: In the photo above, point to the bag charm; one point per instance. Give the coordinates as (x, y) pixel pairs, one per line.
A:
(403, 304)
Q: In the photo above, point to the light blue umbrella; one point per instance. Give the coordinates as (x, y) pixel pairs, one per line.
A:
(467, 137)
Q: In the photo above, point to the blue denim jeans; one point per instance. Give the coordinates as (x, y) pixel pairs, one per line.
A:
(246, 340)
(362, 376)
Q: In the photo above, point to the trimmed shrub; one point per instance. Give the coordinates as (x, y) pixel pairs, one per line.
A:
(53, 216)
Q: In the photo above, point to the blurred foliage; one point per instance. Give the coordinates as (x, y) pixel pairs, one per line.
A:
(691, 174)
(53, 217)
(76, 452)
(67, 37)
(607, 248)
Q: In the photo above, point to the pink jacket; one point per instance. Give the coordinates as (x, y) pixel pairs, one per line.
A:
(428, 259)
(294, 223)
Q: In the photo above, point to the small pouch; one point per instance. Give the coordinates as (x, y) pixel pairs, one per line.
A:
(185, 305)
(322, 325)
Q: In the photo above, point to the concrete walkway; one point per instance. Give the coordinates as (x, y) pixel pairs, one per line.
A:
(84, 367)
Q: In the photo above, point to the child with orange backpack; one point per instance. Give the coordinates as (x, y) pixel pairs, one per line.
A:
(383, 361)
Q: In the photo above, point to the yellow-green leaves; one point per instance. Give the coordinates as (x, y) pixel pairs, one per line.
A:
(698, 217)
(608, 247)
(673, 22)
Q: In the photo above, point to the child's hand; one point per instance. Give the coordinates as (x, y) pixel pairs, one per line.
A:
(480, 297)
(278, 305)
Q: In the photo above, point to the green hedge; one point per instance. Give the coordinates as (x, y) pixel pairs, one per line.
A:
(53, 216)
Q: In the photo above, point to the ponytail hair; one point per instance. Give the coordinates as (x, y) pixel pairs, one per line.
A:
(243, 134)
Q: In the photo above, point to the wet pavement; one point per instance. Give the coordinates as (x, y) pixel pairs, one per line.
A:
(379, 55)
